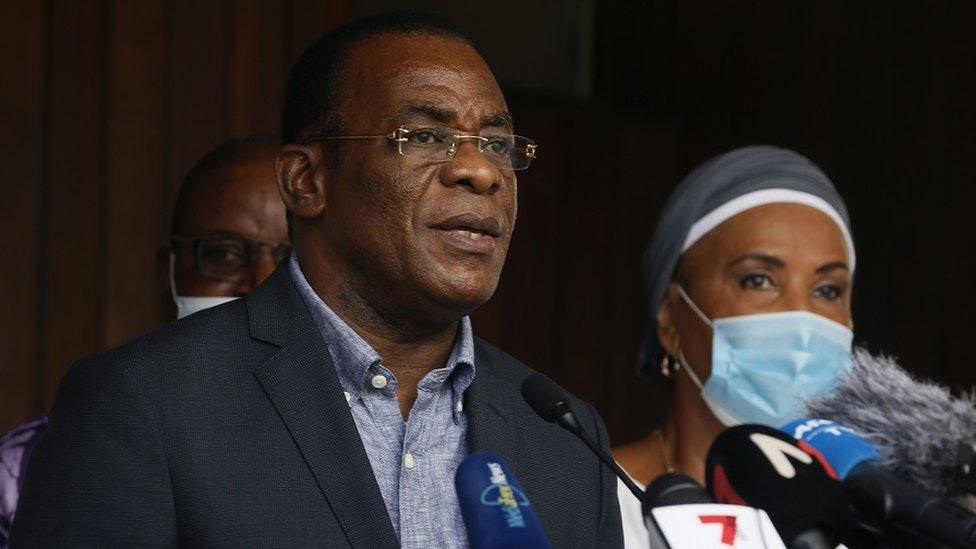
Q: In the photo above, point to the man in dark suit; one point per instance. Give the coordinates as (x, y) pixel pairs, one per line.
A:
(331, 406)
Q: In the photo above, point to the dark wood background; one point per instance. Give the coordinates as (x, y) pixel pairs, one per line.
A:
(106, 104)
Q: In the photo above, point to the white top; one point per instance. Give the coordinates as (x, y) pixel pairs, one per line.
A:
(636, 535)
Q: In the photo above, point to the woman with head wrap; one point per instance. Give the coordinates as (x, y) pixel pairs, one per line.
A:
(749, 276)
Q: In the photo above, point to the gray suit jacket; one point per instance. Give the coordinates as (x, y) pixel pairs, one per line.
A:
(229, 429)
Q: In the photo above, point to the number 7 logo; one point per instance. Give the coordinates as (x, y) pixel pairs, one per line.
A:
(728, 526)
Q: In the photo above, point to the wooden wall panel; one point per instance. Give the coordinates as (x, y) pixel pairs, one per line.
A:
(133, 281)
(72, 242)
(310, 19)
(22, 61)
(258, 66)
(196, 116)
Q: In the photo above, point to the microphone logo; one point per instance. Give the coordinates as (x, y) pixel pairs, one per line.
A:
(502, 494)
(803, 430)
(779, 452)
(728, 526)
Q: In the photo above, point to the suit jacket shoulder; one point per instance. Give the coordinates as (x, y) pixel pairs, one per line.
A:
(224, 429)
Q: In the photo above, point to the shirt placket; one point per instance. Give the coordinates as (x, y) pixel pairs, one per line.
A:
(381, 409)
(415, 486)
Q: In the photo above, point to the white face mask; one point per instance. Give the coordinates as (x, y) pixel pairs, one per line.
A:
(187, 305)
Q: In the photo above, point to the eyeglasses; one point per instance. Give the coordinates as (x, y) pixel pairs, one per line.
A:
(230, 257)
(439, 144)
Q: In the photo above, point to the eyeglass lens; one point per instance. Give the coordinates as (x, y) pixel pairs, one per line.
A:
(230, 258)
(508, 152)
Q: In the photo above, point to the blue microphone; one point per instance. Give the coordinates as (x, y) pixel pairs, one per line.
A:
(495, 510)
(878, 497)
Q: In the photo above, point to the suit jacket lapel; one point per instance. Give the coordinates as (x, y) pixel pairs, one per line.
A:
(490, 424)
(302, 383)
(495, 424)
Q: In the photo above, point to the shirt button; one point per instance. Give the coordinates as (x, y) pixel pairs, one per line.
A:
(408, 460)
(348, 396)
(378, 381)
(460, 405)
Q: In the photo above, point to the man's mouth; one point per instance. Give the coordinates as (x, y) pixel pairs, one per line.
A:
(470, 232)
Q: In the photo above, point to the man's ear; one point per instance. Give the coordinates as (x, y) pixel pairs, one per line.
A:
(667, 332)
(301, 180)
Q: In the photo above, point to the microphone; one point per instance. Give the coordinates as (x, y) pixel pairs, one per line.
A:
(879, 497)
(495, 510)
(679, 513)
(552, 404)
(762, 467)
(899, 414)
(674, 489)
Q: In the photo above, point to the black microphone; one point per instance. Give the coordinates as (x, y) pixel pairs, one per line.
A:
(674, 489)
(551, 403)
(879, 498)
(760, 466)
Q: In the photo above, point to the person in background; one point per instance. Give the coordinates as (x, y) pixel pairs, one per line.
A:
(229, 230)
(749, 275)
(228, 234)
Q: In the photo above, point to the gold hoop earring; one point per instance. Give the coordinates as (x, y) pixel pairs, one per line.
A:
(669, 366)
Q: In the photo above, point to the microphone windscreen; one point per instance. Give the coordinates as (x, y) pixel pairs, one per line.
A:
(544, 396)
(496, 511)
(915, 425)
(762, 467)
(880, 498)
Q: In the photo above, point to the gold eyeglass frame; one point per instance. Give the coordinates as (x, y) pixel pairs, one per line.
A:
(399, 136)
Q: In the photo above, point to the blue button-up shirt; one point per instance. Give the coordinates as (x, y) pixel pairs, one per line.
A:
(413, 461)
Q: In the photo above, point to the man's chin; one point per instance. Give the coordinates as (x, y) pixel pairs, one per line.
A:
(462, 297)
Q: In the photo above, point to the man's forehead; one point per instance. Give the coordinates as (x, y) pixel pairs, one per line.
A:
(401, 78)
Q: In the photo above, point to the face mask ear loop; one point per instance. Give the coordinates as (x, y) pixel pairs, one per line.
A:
(686, 299)
(707, 321)
(691, 373)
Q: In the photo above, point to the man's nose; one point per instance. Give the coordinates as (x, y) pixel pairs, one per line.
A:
(258, 273)
(470, 168)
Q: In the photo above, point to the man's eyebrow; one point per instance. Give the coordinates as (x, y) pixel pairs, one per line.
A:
(223, 233)
(447, 116)
(498, 120)
(764, 258)
(431, 112)
(831, 266)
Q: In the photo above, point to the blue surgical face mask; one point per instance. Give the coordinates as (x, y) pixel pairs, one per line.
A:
(765, 367)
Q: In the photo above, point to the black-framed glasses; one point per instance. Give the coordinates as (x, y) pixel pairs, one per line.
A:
(440, 144)
(230, 257)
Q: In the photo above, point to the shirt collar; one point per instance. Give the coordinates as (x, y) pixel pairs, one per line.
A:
(354, 358)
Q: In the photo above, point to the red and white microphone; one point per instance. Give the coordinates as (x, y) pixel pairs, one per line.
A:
(680, 513)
